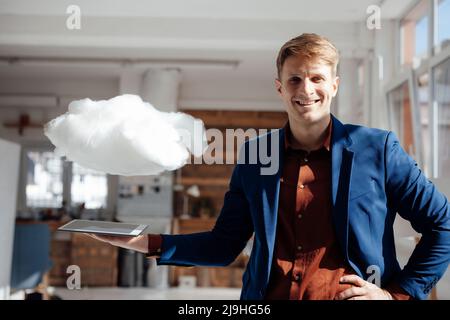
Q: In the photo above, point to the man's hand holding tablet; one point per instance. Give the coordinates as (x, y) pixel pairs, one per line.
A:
(125, 235)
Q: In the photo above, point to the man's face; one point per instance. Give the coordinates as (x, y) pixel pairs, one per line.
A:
(307, 88)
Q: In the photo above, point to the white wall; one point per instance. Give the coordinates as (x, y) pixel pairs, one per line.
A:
(9, 173)
(350, 97)
(383, 69)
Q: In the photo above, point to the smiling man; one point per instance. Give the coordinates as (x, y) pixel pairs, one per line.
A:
(323, 223)
(307, 83)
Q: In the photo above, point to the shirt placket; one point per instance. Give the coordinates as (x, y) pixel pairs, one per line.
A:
(298, 265)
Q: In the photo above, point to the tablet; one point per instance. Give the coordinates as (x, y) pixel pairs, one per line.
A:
(104, 227)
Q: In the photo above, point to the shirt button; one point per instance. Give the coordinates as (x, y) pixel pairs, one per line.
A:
(300, 216)
(306, 159)
(297, 277)
(299, 248)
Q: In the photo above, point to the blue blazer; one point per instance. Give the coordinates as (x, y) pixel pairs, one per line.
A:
(373, 178)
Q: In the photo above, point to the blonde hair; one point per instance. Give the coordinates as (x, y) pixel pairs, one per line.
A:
(309, 46)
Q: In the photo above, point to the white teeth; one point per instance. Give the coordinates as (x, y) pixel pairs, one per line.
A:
(302, 102)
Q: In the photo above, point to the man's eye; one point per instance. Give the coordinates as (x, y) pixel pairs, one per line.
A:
(295, 79)
(317, 79)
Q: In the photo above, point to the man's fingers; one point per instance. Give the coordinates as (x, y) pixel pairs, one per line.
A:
(100, 237)
(139, 243)
(94, 236)
(351, 293)
(353, 279)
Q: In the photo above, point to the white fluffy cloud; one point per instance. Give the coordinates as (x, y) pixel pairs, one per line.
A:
(126, 136)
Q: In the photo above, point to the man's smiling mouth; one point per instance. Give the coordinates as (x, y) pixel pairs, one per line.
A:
(305, 103)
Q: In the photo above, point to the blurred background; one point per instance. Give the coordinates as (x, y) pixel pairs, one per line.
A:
(216, 61)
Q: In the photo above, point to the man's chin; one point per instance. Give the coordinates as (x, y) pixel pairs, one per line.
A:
(311, 116)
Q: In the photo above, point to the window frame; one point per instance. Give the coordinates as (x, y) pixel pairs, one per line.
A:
(408, 77)
(22, 194)
(407, 73)
(434, 62)
(66, 181)
(431, 20)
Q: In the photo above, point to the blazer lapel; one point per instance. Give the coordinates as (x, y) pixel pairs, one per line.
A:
(270, 193)
(341, 168)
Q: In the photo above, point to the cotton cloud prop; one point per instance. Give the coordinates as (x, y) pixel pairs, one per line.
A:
(126, 136)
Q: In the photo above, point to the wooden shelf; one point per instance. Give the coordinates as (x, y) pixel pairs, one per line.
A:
(240, 119)
(205, 181)
(213, 181)
(97, 260)
(230, 276)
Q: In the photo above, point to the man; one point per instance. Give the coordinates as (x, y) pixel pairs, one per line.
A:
(323, 223)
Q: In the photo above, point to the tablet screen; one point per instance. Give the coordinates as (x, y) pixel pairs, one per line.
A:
(104, 227)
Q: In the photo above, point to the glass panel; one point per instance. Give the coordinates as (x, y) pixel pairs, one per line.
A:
(400, 106)
(89, 187)
(442, 97)
(44, 180)
(395, 98)
(443, 24)
(421, 37)
(414, 33)
(424, 107)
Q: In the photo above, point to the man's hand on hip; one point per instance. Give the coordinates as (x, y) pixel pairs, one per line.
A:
(361, 290)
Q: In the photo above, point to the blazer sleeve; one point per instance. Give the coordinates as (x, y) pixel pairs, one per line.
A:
(221, 245)
(417, 200)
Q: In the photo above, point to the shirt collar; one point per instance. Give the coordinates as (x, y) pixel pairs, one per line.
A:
(288, 136)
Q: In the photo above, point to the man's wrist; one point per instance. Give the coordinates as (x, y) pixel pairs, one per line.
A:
(154, 245)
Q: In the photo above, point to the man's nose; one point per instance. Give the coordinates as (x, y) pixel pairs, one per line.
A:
(306, 87)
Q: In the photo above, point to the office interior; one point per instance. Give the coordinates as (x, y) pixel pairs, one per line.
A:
(214, 60)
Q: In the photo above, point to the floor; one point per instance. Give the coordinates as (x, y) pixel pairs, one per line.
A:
(143, 294)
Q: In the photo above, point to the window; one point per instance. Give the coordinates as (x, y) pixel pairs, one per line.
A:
(88, 187)
(423, 101)
(44, 186)
(443, 24)
(442, 119)
(400, 107)
(428, 62)
(414, 35)
(50, 181)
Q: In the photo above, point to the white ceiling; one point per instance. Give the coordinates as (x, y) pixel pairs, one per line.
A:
(317, 10)
(247, 32)
(183, 29)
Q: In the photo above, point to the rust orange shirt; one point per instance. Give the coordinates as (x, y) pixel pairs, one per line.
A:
(307, 261)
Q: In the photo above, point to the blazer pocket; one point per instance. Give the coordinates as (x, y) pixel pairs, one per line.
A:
(359, 192)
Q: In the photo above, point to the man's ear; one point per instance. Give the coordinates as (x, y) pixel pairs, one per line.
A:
(335, 85)
(278, 85)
